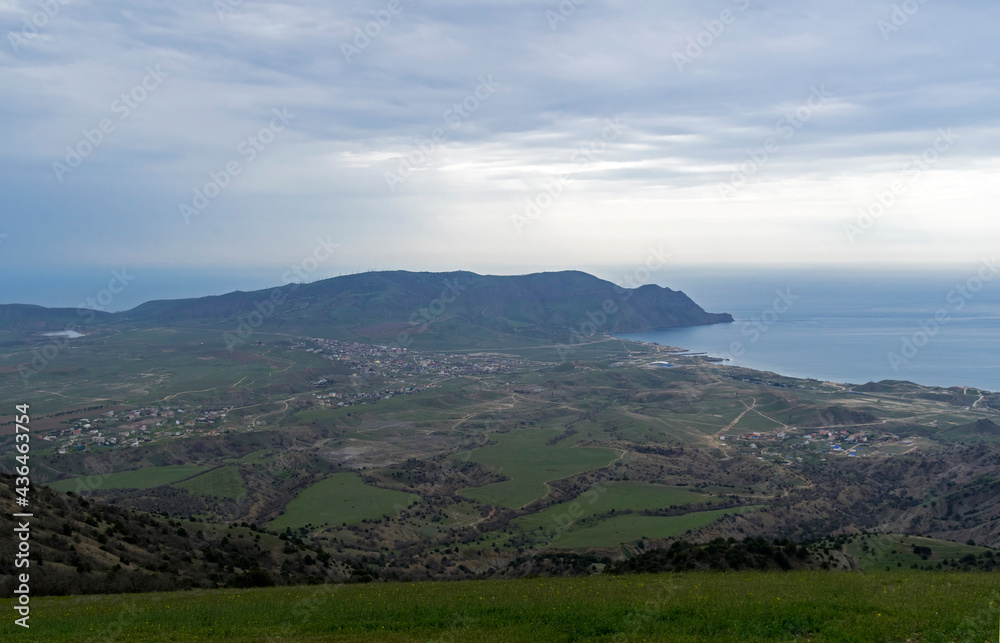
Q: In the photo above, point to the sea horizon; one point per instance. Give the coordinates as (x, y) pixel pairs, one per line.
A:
(932, 329)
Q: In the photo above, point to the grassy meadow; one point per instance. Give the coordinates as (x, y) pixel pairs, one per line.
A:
(609, 496)
(625, 528)
(223, 482)
(145, 478)
(341, 498)
(530, 461)
(876, 552)
(681, 608)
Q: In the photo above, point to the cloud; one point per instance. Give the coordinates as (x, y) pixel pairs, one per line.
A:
(363, 104)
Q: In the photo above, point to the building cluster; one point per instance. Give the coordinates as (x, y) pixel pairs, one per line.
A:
(133, 427)
(369, 360)
(384, 372)
(378, 373)
(834, 442)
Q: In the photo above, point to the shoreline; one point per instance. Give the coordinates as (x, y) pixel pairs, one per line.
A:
(677, 351)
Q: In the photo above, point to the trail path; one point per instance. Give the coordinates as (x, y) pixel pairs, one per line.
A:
(751, 407)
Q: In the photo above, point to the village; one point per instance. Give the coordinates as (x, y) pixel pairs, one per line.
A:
(377, 374)
(821, 442)
(388, 361)
(132, 428)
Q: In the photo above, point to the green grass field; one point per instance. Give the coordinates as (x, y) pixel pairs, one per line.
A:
(254, 457)
(603, 498)
(192, 365)
(529, 461)
(341, 498)
(895, 551)
(224, 482)
(145, 478)
(680, 608)
(613, 531)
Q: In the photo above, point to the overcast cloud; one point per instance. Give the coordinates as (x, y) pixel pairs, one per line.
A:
(735, 132)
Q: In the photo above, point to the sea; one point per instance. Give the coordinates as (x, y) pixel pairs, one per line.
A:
(937, 328)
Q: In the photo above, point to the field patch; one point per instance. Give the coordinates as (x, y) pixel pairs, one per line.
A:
(145, 478)
(878, 551)
(527, 458)
(341, 498)
(613, 531)
(224, 482)
(608, 496)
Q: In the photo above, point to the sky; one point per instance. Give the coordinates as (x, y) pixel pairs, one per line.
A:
(228, 137)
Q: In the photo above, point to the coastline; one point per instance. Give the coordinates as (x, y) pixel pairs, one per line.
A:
(708, 356)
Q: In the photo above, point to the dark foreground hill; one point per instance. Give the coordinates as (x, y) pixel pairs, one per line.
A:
(423, 308)
(84, 547)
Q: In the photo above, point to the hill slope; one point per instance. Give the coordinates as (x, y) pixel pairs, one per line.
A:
(40, 319)
(84, 547)
(455, 308)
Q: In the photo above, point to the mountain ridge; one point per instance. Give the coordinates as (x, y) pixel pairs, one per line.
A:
(418, 307)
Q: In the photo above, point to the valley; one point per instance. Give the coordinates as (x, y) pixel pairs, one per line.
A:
(446, 464)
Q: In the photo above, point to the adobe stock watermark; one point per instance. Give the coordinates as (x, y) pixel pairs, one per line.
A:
(365, 36)
(32, 25)
(248, 149)
(267, 307)
(225, 7)
(601, 320)
(563, 12)
(575, 510)
(957, 299)
(122, 108)
(585, 155)
(884, 200)
(98, 471)
(900, 16)
(87, 310)
(454, 117)
(714, 29)
(785, 129)
(304, 610)
(436, 309)
(757, 326)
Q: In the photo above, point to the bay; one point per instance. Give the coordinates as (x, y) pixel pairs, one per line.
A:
(932, 328)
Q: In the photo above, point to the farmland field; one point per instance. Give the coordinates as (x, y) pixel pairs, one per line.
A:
(530, 461)
(603, 498)
(145, 478)
(681, 608)
(341, 498)
(613, 531)
(224, 482)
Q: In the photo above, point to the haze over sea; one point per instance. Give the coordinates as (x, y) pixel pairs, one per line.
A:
(843, 327)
